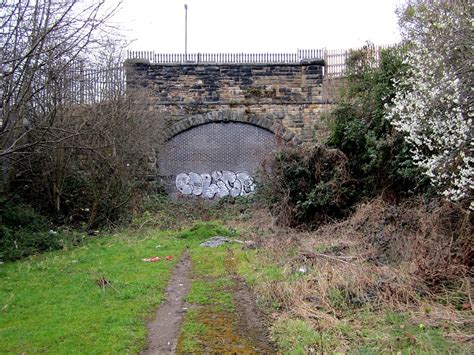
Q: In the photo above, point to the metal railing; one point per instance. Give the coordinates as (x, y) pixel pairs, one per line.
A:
(227, 58)
(81, 85)
(334, 59)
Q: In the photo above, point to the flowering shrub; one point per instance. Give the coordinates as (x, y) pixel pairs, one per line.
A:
(432, 105)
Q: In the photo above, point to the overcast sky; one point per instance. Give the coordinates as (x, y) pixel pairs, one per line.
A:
(258, 25)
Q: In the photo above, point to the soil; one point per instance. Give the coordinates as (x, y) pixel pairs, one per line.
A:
(163, 331)
(252, 323)
(243, 331)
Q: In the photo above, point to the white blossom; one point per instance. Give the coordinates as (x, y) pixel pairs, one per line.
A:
(431, 106)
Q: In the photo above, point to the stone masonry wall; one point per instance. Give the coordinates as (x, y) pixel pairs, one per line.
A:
(289, 95)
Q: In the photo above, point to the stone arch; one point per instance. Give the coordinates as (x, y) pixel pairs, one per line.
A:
(268, 122)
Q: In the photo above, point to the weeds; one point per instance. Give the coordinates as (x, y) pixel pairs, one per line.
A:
(24, 232)
(159, 212)
(297, 337)
(307, 187)
(390, 278)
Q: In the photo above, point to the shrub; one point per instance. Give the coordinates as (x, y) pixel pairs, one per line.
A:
(430, 240)
(24, 232)
(306, 187)
(378, 156)
(310, 187)
(433, 105)
(94, 176)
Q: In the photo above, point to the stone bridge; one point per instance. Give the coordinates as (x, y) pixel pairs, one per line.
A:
(222, 120)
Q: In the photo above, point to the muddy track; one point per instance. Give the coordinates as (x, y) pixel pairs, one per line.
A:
(241, 332)
(250, 320)
(163, 331)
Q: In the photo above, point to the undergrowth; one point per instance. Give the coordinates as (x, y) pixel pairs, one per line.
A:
(307, 187)
(160, 212)
(391, 278)
(362, 157)
(24, 232)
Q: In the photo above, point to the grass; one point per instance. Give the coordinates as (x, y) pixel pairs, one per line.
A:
(295, 336)
(55, 302)
(382, 333)
(191, 331)
(257, 268)
(212, 293)
(204, 230)
(394, 331)
(211, 300)
(211, 285)
(163, 213)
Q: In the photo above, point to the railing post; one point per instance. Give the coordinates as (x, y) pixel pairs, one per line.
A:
(325, 67)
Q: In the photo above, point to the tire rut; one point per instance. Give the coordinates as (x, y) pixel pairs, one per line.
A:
(164, 329)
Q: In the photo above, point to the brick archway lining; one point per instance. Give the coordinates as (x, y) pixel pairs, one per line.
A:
(265, 121)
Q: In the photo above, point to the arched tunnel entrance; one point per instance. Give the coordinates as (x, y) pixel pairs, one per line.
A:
(215, 159)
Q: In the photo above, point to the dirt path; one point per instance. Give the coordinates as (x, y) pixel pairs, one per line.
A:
(250, 319)
(242, 331)
(163, 331)
(251, 322)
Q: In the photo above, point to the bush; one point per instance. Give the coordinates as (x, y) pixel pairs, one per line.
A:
(307, 187)
(378, 156)
(433, 104)
(96, 176)
(310, 187)
(24, 232)
(431, 240)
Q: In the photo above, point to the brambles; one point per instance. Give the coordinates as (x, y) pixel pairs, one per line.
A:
(306, 187)
(397, 272)
(24, 232)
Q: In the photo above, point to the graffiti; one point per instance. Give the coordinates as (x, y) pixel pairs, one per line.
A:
(220, 183)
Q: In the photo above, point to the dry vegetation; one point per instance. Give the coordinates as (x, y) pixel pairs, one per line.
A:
(412, 259)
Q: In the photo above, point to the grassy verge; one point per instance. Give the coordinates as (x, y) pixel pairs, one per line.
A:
(92, 299)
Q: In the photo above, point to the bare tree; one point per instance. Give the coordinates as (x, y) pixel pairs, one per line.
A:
(70, 150)
(39, 40)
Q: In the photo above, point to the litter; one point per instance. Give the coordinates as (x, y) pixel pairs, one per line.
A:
(303, 269)
(169, 258)
(219, 240)
(152, 259)
(215, 242)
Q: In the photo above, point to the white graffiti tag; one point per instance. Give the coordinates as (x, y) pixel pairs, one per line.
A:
(220, 183)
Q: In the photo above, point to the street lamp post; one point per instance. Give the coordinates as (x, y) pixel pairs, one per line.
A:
(185, 33)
